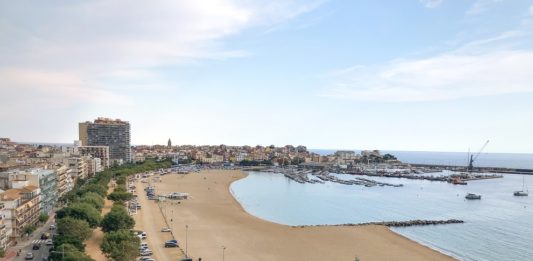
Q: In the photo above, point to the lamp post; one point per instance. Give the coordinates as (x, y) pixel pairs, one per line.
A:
(223, 249)
(186, 240)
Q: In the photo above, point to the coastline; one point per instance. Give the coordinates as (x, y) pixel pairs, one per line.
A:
(424, 244)
(218, 223)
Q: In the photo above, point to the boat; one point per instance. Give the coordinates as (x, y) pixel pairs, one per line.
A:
(458, 181)
(472, 196)
(523, 192)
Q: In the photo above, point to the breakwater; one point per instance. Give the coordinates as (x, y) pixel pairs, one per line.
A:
(407, 223)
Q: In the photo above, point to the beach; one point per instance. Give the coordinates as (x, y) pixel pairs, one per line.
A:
(218, 225)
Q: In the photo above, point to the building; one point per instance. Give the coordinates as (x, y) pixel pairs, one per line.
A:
(94, 165)
(169, 143)
(64, 180)
(4, 239)
(44, 179)
(108, 132)
(21, 209)
(79, 167)
(100, 152)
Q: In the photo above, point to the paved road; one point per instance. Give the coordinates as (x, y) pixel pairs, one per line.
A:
(38, 255)
(26, 245)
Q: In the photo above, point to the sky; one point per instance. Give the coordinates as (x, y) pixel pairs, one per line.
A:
(427, 75)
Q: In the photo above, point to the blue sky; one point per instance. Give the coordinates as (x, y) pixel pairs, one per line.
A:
(392, 75)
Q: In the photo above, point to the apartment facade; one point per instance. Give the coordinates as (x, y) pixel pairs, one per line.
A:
(21, 209)
(79, 167)
(100, 152)
(4, 239)
(64, 180)
(108, 132)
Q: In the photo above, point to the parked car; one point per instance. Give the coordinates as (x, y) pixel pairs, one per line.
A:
(49, 242)
(29, 256)
(171, 244)
(36, 247)
(165, 229)
(144, 244)
(172, 240)
(146, 252)
(52, 227)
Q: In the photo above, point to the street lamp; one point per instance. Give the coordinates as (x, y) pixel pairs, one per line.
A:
(223, 249)
(186, 237)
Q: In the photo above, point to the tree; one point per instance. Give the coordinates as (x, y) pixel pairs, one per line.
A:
(120, 196)
(121, 245)
(118, 218)
(97, 188)
(73, 228)
(29, 229)
(68, 252)
(94, 199)
(43, 217)
(84, 211)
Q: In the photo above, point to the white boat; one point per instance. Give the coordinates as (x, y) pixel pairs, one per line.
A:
(523, 192)
(472, 196)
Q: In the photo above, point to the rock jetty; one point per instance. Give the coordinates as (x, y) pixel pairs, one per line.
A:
(408, 223)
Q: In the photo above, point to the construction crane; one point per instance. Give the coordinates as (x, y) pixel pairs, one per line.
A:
(474, 157)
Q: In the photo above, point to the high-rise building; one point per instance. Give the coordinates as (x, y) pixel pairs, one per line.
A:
(108, 132)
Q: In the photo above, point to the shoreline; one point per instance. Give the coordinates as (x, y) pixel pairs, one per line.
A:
(218, 223)
(424, 244)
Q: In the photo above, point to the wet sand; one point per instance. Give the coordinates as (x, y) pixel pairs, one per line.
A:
(217, 221)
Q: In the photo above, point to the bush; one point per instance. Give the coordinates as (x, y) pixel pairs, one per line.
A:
(121, 245)
(118, 218)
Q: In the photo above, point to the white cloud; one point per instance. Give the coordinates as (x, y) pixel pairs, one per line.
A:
(481, 6)
(431, 3)
(73, 49)
(443, 77)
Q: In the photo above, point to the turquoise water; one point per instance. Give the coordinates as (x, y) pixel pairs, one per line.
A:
(498, 227)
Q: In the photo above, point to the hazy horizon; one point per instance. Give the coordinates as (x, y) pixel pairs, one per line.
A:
(419, 75)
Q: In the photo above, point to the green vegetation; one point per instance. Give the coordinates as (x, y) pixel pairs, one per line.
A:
(118, 218)
(29, 229)
(120, 196)
(94, 199)
(82, 213)
(389, 157)
(74, 229)
(68, 252)
(255, 163)
(121, 245)
(43, 217)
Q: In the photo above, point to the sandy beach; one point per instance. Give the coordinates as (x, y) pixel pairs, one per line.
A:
(217, 221)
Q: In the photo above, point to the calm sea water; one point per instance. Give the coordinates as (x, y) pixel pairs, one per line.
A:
(501, 160)
(498, 227)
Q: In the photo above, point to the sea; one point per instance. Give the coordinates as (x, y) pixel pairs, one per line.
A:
(497, 227)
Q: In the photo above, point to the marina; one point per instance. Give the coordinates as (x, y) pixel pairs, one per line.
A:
(501, 219)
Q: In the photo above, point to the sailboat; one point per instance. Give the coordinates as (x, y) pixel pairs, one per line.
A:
(523, 192)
